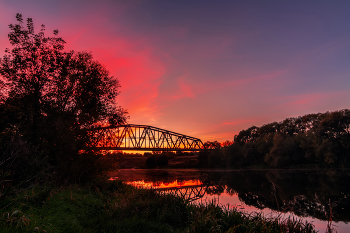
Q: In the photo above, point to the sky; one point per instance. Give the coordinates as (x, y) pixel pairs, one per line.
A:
(206, 68)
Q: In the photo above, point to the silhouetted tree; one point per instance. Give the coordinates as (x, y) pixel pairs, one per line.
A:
(226, 143)
(50, 97)
(284, 152)
(233, 156)
(250, 154)
(212, 145)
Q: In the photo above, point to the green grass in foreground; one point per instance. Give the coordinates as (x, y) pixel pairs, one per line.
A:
(115, 207)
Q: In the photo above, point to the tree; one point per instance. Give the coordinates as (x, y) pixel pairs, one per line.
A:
(248, 135)
(212, 145)
(233, 155)
(284, 152)
(49, 97)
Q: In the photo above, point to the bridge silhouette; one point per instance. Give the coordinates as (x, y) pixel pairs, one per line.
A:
(141, 137)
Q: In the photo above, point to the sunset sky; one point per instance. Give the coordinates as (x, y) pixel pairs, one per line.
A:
(208, 69)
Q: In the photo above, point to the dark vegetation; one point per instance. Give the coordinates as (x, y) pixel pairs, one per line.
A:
(48, 99)
(156, 160)
(170, 160)
(153, 160)
(315, 140)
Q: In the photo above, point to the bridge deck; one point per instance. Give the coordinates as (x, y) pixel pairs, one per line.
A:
(144, 149)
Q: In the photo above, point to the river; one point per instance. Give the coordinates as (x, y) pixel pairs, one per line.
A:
(317, 196)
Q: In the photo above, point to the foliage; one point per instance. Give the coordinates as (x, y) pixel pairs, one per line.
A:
(208, 157)
(317, 139)
(20, 164)
(49, 98)
(212, 218)
(212, 145)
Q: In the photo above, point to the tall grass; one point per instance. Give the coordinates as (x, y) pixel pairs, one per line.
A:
(111, 206)
(212, 218)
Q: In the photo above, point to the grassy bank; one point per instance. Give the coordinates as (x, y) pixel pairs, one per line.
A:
(115, 207)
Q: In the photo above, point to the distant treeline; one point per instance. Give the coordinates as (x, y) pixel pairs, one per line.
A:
(321, 140)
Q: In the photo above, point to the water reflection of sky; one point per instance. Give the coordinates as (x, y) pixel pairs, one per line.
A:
(228, 197)
(162, 185)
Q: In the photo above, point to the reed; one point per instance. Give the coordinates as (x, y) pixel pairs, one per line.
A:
(212, 218)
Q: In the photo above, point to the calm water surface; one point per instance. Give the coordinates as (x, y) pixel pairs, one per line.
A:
(314, 196)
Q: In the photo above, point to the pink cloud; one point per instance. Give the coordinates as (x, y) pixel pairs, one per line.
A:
(264, 77)
(185, 90)
(140, 79)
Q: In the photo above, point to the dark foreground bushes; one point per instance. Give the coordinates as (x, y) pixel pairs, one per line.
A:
(116, 207)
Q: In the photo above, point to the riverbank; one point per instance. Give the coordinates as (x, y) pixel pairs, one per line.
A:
(173, 161)
(112, 206)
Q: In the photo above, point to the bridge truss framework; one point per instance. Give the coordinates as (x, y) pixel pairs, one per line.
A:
(142, 137)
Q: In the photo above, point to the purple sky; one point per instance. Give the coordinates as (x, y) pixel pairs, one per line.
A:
(208, 69)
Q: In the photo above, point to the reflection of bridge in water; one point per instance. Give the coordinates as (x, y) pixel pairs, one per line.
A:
(142, 137)
(189, 193)
(190, 190)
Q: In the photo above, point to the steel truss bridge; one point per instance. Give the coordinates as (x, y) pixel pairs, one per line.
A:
(141, 137)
